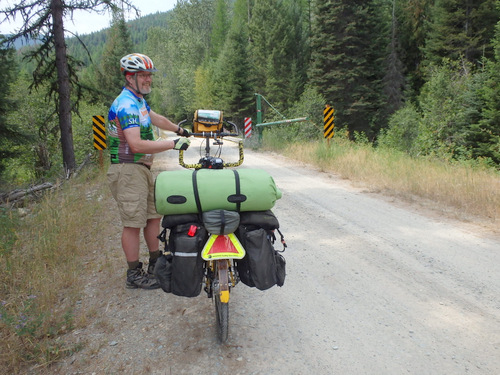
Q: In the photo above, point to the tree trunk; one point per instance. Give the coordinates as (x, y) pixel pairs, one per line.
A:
(64, 88)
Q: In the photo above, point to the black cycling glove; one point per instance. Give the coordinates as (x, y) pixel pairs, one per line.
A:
(183, 132)
(181, 144)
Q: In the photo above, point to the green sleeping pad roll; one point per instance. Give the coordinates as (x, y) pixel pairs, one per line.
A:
(188, 191)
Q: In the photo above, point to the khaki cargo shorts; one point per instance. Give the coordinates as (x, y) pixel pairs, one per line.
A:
(132, 186)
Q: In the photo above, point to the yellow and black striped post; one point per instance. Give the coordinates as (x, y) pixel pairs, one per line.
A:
(99, 135)
(99, 132)
(329, 125)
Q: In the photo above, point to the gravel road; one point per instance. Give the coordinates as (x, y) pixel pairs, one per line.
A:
(373, 286)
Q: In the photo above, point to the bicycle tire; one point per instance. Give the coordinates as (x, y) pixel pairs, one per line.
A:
(222, 314)
(221, 308)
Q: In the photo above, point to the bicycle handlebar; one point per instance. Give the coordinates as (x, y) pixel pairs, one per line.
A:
(214, 135)
(213, 162)
(224, 165)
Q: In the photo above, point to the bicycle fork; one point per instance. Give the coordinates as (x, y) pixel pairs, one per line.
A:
(222, 279)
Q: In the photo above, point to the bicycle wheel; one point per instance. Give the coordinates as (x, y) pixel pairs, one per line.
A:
(222, 314)
(222, 306)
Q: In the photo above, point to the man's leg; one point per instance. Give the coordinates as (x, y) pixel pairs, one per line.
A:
(131, 243)
(151, 232)
(136, 278)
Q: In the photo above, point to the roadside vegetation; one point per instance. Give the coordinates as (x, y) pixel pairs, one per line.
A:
(43, 256)
(465, 190)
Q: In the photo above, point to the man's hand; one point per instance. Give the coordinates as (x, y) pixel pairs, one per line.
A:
(183, 132)
(181, 143)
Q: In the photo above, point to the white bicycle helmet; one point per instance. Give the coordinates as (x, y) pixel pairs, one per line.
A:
(136, 62)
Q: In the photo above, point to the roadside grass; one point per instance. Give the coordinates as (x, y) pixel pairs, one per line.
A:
(469, 191)
(41, 263)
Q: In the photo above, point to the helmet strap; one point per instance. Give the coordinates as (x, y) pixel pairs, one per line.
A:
(136, 84)
(136, 88)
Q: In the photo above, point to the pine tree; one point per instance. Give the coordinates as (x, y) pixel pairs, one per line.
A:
(278, 49)
(118, 44)
(347, 48)
(9, 134)
(412, 16)
(220, 27)
(461, 29)
(484, 136)
(232, 70)
(394, 80)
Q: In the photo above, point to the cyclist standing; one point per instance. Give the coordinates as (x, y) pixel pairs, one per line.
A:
(132, 145)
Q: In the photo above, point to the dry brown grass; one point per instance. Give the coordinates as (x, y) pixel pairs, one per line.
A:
(469, 191)
(41, 265)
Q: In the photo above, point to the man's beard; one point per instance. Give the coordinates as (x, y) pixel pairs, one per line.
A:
(145, 90)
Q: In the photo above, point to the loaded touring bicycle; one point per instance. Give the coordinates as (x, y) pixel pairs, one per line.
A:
(218, 227)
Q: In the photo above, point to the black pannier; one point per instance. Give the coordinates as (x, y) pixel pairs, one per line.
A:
(186, 242)
(262, 267)
(163, 272)
(259, 219)
(170, 221)
(180, 269)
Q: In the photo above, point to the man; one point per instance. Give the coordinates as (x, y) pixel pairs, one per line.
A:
(132, 146)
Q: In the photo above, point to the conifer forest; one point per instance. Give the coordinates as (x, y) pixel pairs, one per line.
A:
(418, 76)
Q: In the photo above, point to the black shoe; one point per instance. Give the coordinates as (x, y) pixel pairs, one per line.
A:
(137, 278)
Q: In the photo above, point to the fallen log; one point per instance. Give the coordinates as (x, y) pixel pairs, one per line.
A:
(19, 194)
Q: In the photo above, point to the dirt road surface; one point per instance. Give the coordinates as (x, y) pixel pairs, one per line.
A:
(373, 287)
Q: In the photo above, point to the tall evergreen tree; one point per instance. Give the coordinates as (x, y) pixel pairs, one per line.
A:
(461, 28)
(9, 134)
(347, 48)
(39, 155)
(394, 79)
(278, 49)
(118, 44)
(232, 70)
(220, 27)
(413, 18)
(484, 136)
(205, 89)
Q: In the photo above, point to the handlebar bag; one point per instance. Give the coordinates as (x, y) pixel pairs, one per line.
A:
(207, 121)
(188, 191)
